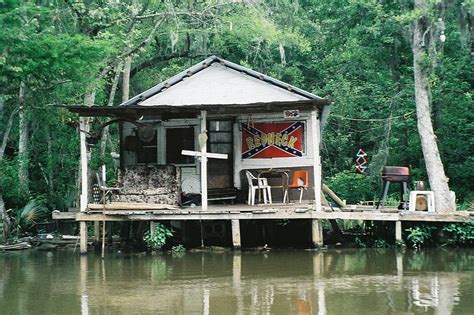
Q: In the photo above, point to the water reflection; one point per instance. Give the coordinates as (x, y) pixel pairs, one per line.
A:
(83, 286)
(299, 282)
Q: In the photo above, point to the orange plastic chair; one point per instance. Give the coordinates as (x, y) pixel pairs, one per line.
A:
(300, 182)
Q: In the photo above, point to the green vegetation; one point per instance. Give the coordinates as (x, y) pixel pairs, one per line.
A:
(419, 235)
(357, 53)
(458, 233)
(353, 187)
(158, 239)
(178, 250)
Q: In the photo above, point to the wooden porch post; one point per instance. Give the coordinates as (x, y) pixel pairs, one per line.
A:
(316, 159)
(203, 148)
(84, 185)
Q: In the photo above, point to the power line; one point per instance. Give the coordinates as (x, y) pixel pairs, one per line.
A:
(405, 116)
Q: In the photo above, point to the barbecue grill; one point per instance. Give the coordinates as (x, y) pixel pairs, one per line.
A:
(398, 174)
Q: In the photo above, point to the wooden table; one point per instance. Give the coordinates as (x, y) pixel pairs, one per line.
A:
(272, 173)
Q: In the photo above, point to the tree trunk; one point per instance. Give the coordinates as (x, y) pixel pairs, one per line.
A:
(126, 79)
(50, 164)
(23, 141)
(113, 90)
(3, 220)
(8, 128)
(434, 165)
(2, 150)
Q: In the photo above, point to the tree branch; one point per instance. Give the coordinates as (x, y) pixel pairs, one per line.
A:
(160, 58)
(6, 134)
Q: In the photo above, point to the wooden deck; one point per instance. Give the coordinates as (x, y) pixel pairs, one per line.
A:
(150, 212)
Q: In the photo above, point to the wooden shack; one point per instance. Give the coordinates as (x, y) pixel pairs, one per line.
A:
(187, 143)
(213, 109)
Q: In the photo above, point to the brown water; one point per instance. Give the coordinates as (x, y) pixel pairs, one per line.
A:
(286, 282)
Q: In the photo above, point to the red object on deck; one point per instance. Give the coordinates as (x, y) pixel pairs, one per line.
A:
(396, 173)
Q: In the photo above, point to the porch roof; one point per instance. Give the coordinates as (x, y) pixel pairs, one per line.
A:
(136, 111)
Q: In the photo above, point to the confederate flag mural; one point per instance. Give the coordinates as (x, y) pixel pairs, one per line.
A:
(272, 140)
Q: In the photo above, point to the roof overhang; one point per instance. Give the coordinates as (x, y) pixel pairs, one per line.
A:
(137, 111)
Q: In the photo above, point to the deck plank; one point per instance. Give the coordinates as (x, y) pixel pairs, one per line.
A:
(126, 212)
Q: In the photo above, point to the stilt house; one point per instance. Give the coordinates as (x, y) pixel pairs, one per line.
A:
(195, 139)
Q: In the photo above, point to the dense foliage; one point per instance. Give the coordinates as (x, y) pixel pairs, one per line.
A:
(355, 52)
(157, 239)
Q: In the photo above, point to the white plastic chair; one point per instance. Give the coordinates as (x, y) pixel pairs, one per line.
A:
(255, 184)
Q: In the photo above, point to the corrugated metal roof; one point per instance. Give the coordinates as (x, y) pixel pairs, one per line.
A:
(219, 82)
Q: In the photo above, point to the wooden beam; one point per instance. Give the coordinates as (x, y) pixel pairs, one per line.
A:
(209, 155)
(315, 129)
(83, 128)
(204, 161)
(136, 111)
(334, 197)
(316, 233)
(236, 234)
(130, 206)
(273, 211)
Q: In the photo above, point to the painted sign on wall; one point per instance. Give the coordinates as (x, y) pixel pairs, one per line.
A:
(273, 140)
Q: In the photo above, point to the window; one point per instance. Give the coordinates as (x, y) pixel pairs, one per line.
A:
(178, 139)
(220, 137)
(147, 151)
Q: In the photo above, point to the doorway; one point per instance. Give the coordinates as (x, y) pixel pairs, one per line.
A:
(220, 140)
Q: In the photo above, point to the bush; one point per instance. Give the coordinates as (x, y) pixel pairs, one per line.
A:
(32, 213)
(418, 235)
(458, 233)
(352, 187)
(158, 239)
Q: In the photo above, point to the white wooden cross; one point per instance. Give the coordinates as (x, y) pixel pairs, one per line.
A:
(204, 155)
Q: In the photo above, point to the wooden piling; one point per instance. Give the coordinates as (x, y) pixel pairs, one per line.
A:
(203, 161)
(398, 231)
(84, 198)
(96, 232)
(103, 239)
(236, 234)
(152, 227)
(316, 233)
(83, 237)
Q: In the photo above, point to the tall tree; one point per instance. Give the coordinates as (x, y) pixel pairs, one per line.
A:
(23, 153)
(423, 44)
